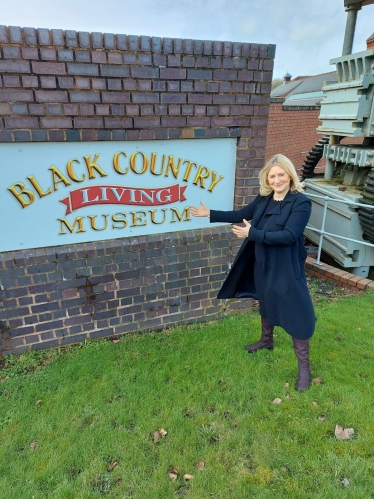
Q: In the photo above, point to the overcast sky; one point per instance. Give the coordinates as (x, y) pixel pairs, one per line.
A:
(307, 33)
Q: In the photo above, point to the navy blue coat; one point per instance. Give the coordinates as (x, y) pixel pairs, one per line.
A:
(286, 295)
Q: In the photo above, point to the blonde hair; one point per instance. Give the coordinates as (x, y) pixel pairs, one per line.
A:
(287, 166)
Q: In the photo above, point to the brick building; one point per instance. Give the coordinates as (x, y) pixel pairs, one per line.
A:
(293, 117)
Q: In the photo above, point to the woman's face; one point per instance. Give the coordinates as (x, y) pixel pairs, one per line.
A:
(279, 180)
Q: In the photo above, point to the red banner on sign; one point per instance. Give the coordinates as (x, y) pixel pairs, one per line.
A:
(118, 194)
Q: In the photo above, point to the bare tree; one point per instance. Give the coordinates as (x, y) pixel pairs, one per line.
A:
(276, 82)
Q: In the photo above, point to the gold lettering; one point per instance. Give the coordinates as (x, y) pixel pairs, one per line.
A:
(38, 189)
(116, 164)
(153, 217)
(71, 172)
(214, 181)
(186, 213)
(133, 162)
(119, 220)
(174, 169)
(78, 221)
(153, 164)
(138, 221)
(93, 222)
(202, 172)
(19, 190)
(56, 174)
(92, 165)
(190, 164)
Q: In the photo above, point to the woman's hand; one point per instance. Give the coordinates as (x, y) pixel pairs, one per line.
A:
(200, 212)
(241, 232)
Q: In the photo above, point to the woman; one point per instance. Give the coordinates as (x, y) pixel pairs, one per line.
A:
(270, 263)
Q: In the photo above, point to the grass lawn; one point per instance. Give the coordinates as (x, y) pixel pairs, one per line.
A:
(78, 423)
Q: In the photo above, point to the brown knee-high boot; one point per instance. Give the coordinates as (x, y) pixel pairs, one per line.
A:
(301, 348)
(266, 340)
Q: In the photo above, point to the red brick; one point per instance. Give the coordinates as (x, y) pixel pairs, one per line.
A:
(245, 75)
(102, 110)
(228, 75)
(88, 123)
(83, 83)
(83, 69)
(151, 73)
(56, 122)
(147, 134)
(48, 54)
(48, 81)
(114, 71)
(30, 81)
(49, 68)
(30, 53)
(93, 97)
(118, 122)
(173, 98)
(172, 122)
(115, 97)
(172, 74)
(115, 58)
(16, 96)
(132, 110)
(89, 135)
(21, 122)
(199, 99)
(71, 109)
(99, 57)
(198, 122)
(87, 109)
(11, 81)
(146, 122)
(15, 67)
(364, 282)
(222, 121)
(145, 98)
(51, 96)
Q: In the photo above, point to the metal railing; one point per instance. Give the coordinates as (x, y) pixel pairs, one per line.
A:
(322, 231)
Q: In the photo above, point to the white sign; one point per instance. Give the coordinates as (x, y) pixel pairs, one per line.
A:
(62, 193)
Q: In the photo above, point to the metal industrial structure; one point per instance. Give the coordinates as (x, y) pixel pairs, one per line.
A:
(347, 111)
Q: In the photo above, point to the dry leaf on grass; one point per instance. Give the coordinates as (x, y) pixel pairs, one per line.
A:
(116, 340)
(315, 404)
(319, 379)
(159, 434)
(38, 402)
(343, 433)
(112, 465)
(277, 401)
(321, 418)
(172, 476)
(5, 378)
(286, 385)
(33, 445)
(200, 465)
(187, 476)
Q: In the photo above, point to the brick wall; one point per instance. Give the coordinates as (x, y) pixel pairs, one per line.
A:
(292, 132)
(60, 85)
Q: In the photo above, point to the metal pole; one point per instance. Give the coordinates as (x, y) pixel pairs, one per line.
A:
(322, 231)
(330, 164)
(350, 29)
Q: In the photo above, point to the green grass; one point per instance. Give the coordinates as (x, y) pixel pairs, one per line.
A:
(102, 401)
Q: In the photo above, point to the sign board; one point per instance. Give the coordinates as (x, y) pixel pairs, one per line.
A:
(63, 193)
